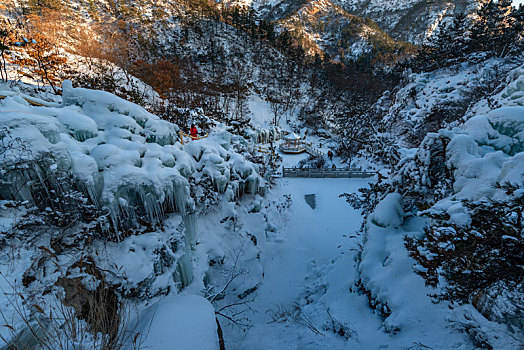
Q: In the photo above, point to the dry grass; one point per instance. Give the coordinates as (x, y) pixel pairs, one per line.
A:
(80, 318)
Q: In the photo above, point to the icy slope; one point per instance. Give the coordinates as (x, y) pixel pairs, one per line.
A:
(128, 161)
(429, 101)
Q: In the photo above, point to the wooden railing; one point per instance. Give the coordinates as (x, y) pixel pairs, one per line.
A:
(33, 102)
(323, 173)
(182, 134)
(265, 150)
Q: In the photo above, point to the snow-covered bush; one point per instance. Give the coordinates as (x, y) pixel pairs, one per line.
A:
(475, 226)
(429, 101)
(459, 230)
(476, 256)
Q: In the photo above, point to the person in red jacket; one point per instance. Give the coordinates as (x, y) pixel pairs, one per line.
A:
(193, 132)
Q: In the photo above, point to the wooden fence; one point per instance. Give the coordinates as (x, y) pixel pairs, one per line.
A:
(191, 138)
(326, 173)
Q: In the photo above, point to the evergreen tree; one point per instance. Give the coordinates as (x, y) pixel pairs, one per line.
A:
(452, 42)
(518, 28)
(493, 31)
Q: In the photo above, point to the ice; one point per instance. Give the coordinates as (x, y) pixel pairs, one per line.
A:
(127, 160)
(184, 272)
(267, 135)
(190, 224)
(130, 165)
(161, 132)
(80, 126)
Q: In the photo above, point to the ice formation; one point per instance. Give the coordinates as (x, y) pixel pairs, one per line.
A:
(265, 135)
(125, 160)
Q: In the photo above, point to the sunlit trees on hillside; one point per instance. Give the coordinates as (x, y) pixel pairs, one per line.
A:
(42, 62)
(5, 34)
(41, 6)
(497, 30)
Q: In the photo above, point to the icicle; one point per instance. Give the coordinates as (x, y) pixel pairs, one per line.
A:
(184, 271)
(190, 224)
(252, 184)
(180, 195)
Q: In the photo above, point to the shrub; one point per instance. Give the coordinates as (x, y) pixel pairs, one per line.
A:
(473, 258)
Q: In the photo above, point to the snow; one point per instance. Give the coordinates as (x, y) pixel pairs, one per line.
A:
(293, 137)
(260, 112)
(306, 262)
(484, 151)
(411, 314)
(125, 157)
(178, 322)
(447, 91)
(389, 211)
(487, 151)
(131, 165)
(307, 243)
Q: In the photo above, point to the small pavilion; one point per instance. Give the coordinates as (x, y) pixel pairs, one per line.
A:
(293, 143)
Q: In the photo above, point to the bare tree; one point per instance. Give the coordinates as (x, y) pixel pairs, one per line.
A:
(234, 311)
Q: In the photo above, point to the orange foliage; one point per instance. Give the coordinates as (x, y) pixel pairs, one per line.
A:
(162, 75)
(50, 24)
(43, 61)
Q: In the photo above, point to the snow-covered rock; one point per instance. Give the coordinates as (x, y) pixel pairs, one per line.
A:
(389, 211)
(178, 322)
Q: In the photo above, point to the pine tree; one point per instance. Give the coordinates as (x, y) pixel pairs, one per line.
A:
(518, 28)
(493, 31)
(451, 43)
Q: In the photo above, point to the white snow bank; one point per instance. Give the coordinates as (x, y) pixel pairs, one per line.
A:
(511, 95)
(179, 322)
(483, 154)
(487, 151)
(396, 291)
(389, 211)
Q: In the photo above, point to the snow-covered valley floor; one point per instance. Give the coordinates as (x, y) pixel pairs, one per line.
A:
(308, 293)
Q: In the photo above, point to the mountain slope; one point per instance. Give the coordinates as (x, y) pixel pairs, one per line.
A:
(321, 27)
(410, 20)
(406, 20)
(340, 35)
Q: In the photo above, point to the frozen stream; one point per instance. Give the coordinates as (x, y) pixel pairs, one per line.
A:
(308, 272)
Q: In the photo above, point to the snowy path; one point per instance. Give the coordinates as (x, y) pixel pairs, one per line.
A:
(311, 259)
